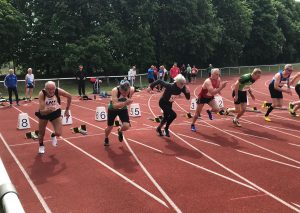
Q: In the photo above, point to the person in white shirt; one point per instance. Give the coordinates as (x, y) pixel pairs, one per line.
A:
(131, 75)
(50, 110)
(29, 84)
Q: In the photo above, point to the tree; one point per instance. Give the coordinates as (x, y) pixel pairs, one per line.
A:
(235, 18)
(266, 39)
(12, 30)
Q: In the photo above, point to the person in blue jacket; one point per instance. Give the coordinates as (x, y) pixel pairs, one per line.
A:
(10, 82)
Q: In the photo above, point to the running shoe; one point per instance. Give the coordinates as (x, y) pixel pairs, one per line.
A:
(158, 130)
(267, 118)
(53, 141)
(106, 142)
(167, 134)
(236, 122)
(209, 114)
(291, 107)
(264, 105)
(120, 135)
(193, 128)
(41, 149)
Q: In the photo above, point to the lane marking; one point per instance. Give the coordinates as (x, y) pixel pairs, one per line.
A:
(150, 147)
(105, 165)
(32, 185)
(217, 174)
(204, 141)
(269, 159)
(247, 197)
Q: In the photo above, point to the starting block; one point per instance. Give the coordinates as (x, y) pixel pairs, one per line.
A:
(188, 115)
(253, 109)
(117, 123)
(156, 119)
(32, 135)
(81, 129)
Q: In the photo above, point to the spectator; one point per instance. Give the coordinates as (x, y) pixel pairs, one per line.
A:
(29, 84)
(174, 71)
(208, 69)
(80, 77)
(132, 75)
(10, 82)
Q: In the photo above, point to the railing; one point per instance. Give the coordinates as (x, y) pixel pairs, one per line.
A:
(10, 202)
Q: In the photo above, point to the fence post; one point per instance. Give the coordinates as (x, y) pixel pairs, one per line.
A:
(58, 82)
(141, 81)
(229, 72)
(239, 70)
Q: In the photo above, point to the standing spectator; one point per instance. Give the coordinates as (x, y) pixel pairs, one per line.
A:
(194, 74)
(131, 75)
(208, 69)
(166, 73)
(10, 82)
(155, 72)
(174, 71)
(80, 77)
(189, 72)
(161, 73)
(183, 70)
(151, 74)
(29, 84)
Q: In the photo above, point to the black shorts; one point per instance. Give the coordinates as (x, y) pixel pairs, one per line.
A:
(297, 89)
(242, 97)
(193, 75)
(52, 116)
(150, 80)
(202, 100)
(112, 114)
(29, 86)
(275, 93)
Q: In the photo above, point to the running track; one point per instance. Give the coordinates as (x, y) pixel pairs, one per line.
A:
(220, 168)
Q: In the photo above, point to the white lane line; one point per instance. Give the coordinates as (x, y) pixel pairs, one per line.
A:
(269, 159)
(198, 139)
(271, 128)
(36, 142)
(150, 147)
(275, 127)
(247, 134)
(253, 184)
(106, 166)
(152, 179)
(164, 194)
(294, 144)
(217, 174)
(247, 197)
(34, 188)
(296, 204)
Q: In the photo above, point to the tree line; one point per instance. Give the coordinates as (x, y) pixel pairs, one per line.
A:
(107, 37)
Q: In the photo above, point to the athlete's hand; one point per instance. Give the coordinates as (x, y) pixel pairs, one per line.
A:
(149, 90)
(187, 89)
(67, 114)
(223, 84)
(235, 98)
(128, 101)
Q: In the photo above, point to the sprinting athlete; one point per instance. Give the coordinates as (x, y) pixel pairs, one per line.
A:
(118, 106)
(50, 110)
(171, 92)
(239, 94)
(294, 106)
(210, 87)
(276, 88)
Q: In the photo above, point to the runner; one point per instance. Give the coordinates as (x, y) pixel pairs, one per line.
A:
(171, 92)
(210, 87)
(118, 106)
(241, 87)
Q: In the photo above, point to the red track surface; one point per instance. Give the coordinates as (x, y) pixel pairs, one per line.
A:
(184, 173)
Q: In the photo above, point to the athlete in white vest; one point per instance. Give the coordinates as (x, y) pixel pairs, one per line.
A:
(50, 110)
